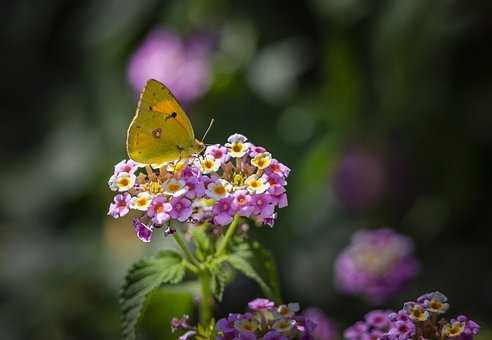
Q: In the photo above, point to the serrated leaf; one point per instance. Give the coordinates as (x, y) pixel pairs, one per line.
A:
(257, 263)
(221, 275)
(142, 278)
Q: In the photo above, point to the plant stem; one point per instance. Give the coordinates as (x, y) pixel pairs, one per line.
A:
(231, 230)
(206, 301)
(189, 256)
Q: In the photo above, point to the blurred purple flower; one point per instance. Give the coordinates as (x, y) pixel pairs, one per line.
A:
(325, 328)
(183, 66)
(376, 264)
(260, 304)
(360, 180)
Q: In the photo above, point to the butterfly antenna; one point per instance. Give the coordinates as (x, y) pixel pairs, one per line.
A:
(208, 129)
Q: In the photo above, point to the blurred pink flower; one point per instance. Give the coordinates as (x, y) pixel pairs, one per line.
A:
(183, 66)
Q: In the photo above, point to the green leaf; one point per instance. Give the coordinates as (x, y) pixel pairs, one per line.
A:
(221, 276)
(257, 263)
(202, 242)
(142, 278)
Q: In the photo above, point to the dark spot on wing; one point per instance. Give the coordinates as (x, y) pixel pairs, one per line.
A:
(171, 115)
(157, 133)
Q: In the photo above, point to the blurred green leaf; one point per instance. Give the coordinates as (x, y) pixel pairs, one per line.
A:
(161, 306)
(257, 263)
(145, 276)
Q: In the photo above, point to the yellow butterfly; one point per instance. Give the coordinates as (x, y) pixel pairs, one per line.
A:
(160, 131)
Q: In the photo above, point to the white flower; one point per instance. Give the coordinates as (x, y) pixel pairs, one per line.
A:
(256, 185)
(262, 160)
(236, 138)
(141, 201)
(219, 189)
(209, 164)
(123, 181)
(175, 187)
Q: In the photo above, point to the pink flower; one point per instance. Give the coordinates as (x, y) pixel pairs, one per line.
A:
(260, 304)
(126, 166)
(159, 210)
(223, 211)
(242, 203)
(278, 168)
(218, 152)
(183, 66)
(181, 209)
(254, 150)
(120, 206)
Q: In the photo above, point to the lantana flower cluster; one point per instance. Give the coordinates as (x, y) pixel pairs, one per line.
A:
(376, 264)
(237, 178)
(266, 321)
(420, 319)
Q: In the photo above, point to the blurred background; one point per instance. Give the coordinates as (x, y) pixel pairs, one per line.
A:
(381, 109)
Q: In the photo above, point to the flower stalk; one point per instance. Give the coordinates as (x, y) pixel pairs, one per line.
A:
(231, 230)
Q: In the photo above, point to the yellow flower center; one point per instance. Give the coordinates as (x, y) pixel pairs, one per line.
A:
(123, 181)
(142, 201)
(219, 190)
(237, 147)
(173, 187)
(436, 305)
(208, 164)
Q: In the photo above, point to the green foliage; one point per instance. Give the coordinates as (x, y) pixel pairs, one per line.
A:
(160, 307)
(206, 333)
(257, 263)
(221, 275)
(145, 276)
(204, 246)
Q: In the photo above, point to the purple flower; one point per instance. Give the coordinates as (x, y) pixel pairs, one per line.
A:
(159, 210)
(356, 331)
(184, 67)
(279, 195)
(274, 335)
(196, 186)
(325, 328)
(263, 205)
(181, 208)
(144, 232)
(376, 264)
(400, 316)
(120, 206)
(218, 152)
(360, 180)
(223, 211)
(402, 330)
(378, 319)
(260, 304)
(242, 203)
(180, 323)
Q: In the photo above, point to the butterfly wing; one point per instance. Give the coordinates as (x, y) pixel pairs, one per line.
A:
(160, 131)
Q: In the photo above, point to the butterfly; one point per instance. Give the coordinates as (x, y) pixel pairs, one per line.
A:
(160, 131)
